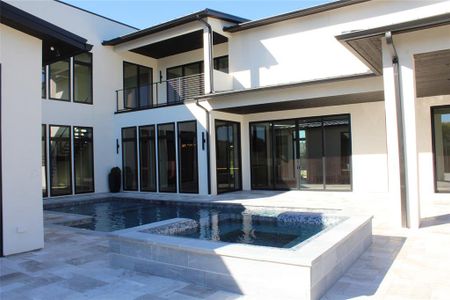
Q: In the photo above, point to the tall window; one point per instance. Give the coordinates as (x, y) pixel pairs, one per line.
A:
(187, 157)
(44, 160)
(137, 86)
(129, 159)
(83, 148)
(228, 156)
(441, 148)
(82, 78)
(60, 161)
(44, 82)
(306, 154)
(59, 80)
(147, 156)
(166, 158)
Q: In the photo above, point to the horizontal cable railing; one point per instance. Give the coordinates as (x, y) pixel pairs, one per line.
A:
(164, 93)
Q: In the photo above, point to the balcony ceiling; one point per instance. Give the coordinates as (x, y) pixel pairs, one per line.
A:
(183, 43)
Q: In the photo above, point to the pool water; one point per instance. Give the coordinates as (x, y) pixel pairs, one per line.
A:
(218, 222)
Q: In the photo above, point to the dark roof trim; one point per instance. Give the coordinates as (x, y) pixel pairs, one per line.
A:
(95, 14)
(34, 26)
(409, 26)
(173, 23)
(290, 85)
(292, 15)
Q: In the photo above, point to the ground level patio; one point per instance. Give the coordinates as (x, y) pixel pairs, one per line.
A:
(400, 264)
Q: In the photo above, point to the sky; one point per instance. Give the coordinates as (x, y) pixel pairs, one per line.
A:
(146, 13)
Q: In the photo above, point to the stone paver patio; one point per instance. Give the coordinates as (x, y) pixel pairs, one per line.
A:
(400, 264)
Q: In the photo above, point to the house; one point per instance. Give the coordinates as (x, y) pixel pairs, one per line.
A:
(349, 99)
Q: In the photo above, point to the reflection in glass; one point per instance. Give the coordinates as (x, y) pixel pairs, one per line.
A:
(147, 158)
(44, 160)
(337, 151)
(83, 148)
(167, 158)
(441, 129)
(129, 159)
(60, 80)
(60, 161)
(187, 153)
(228, 156)
(82, 78)
(261, 155)
(310, 148)
(284, 154)
(137, 85)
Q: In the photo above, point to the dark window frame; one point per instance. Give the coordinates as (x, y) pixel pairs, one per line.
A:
(216, 59)
(44, 84)
(240, 154)
(49, 90)
(73, 162)
(155, 157)
(321, 117)
(136, 160)
(91, 65)
(179, 156)
(44, 139)
(159, 153)
(138, 95)
(50, 161)
(433, 145)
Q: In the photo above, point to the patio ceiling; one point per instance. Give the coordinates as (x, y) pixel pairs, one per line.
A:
(179, 44)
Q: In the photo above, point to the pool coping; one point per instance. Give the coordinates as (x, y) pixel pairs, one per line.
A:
(304, 254)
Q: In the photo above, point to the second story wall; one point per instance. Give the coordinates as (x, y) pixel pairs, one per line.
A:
(305, 48)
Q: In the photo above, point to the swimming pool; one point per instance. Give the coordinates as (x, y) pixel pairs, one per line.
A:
(216, 222)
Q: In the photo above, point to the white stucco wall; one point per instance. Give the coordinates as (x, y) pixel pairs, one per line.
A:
(20, 58)
(305, 48)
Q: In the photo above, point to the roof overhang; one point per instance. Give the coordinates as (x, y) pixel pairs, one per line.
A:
(174, 23)
(293, 15)
(366, 44)
(57, 43)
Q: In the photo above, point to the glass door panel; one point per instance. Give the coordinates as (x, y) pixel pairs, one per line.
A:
(261, 155)
(228, 156)
(284, 154)
(310, 173)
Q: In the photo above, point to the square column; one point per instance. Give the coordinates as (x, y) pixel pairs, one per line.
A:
(207, 58)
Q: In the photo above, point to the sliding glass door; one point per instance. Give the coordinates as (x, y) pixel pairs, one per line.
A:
(441, 148)
(228, 156)
(167, 158)
(60, 160)
(147, 157)
(129, 159)
(306, 154)
(83, 160)
(187, 157)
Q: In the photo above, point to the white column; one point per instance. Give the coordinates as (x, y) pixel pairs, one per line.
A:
(207, 55)
(392, 137)
(410, 138)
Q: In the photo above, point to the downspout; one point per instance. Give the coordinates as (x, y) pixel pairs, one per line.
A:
(208, 167)
(211, 90)
(400, 129)
(211, 61)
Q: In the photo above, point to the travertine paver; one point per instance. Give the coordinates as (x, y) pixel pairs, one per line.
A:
(400, 264)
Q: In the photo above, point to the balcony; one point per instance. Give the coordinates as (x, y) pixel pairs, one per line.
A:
(160, 94)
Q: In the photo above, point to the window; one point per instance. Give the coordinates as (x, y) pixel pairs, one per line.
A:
(221, 64)
(187, 157)
(228, 156)
(129, 159)
(180, 89)
(137, 86)
(82, 78)
(60, 161)
(441, 148)
(44, 82)
(147, 158)
(83, 160)
(167, 158)
(59, 80)
(306, 154)
(44, 160)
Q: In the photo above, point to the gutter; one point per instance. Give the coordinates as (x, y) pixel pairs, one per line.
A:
(400, 129)
(206, 140)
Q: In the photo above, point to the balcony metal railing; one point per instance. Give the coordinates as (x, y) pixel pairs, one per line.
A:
(159, 94)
